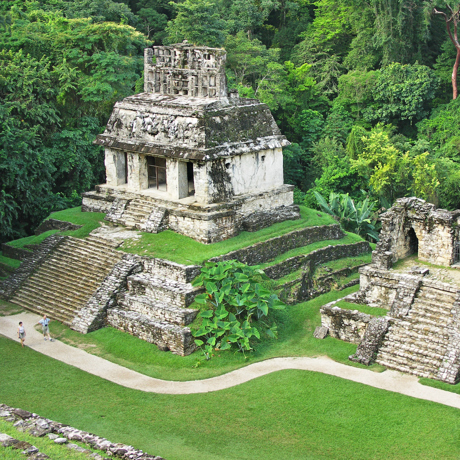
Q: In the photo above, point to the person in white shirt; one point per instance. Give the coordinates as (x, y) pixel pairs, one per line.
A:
(21, 333)
(46, 329)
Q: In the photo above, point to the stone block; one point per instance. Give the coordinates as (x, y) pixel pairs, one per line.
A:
(320, 332)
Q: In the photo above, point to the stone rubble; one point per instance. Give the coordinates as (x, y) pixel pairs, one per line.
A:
(32, 423)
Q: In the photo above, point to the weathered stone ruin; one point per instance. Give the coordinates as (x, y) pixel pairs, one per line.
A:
(421, 332)
(189, 156)
(87, 283)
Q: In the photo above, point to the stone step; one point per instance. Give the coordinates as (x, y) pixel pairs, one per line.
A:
(422, 303)
(426, 322)
(70, 304)
(416, 363)
(88, 248)
(62, 289)
(70, 277)
(137, 213)
(427, 293)
(103, 242)
(52, 310)
(413, 351)
(430, 311)
(420, 326)
(428, 317)
(157, 311)
(388, 362)
(68, 263)
(166, 291)
(417, 334)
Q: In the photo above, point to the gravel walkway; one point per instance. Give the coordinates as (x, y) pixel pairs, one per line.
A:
(388, 380)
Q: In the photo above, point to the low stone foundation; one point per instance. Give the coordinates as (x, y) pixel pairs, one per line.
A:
(54, 224)
(166, 336)
(15, 253)
(343, 324)
(265, 251)
(206, 223)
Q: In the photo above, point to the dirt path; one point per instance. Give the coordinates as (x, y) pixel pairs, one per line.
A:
(388, 380)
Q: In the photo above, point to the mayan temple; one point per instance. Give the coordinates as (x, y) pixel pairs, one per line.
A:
(189, 155)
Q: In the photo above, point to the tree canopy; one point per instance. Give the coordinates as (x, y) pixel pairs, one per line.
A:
(363, 90)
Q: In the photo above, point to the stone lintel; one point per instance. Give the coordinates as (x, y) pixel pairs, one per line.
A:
(187, 153)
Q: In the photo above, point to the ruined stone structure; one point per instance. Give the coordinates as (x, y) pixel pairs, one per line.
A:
(88, 284)
(421, 332)
(189, 156)
(415, 226)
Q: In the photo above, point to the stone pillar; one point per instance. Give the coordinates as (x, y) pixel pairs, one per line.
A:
(182, 179)
(200, 175)
(176, 174)
(137, 172)
(115, 167)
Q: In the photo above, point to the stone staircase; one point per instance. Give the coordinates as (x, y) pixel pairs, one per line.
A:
(419, 342)
(143, 215)
(68, 277)
(155, 306)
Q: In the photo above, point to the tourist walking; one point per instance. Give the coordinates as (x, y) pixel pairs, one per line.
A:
(21, 333)
(45, 326)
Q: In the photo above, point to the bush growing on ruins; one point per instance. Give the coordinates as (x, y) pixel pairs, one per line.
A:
(236, 294)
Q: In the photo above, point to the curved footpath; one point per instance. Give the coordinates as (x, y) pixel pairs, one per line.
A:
(388, 380)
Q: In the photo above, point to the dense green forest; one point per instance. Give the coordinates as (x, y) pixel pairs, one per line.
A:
(362, 89)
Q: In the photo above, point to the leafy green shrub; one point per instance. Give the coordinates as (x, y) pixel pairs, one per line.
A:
(357, 217)
(236, 294)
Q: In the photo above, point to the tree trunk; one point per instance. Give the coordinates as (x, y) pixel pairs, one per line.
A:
(454, 19)
(454, 75)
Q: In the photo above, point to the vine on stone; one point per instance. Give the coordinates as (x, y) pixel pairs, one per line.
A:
(236, 294)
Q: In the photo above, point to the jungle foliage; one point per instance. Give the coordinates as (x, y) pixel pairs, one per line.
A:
(363, 90)
(237, 302)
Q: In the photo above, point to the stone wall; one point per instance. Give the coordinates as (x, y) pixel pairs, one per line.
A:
(171, 270)
(93, 315)
(15, 253)
(39, 426)
(344, 324)
(267, 250)
(54, 224)
(317, 257)
(29, 265)
(177, 339)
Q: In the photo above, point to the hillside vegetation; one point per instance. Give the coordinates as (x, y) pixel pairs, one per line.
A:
(362, 90)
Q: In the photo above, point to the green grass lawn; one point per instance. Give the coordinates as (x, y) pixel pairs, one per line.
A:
(295, 324)
(340, 264)
(285, 415)
(89, 221)
(182, 249)
(12, 263)
(8, 308)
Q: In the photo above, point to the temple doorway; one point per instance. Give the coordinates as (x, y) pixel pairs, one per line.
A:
(190, 179)
(156, 168)
(413, 242)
